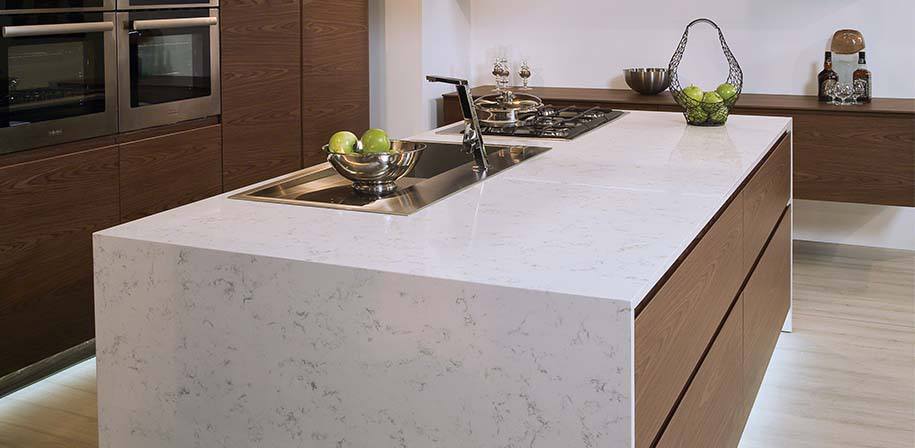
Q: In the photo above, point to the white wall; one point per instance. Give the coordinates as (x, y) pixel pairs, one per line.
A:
(395, 53)
(858, 224)
(779, 43)
(409, 39)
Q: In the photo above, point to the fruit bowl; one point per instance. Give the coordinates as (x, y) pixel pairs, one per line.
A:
(375, 173)
(647, 81)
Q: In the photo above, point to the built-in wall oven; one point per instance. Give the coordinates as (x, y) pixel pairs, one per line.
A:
(58, 72)
(168, 65)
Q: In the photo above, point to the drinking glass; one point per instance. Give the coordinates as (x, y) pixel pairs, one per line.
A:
(525, 74)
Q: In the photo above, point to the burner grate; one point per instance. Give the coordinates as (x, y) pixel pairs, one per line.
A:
(558, 122)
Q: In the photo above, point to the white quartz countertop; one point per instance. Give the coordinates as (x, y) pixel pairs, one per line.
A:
(604, 215)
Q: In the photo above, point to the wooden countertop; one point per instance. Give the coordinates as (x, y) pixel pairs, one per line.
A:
(747, 101)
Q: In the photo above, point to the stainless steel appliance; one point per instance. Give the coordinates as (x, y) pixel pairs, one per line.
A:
(551, 122)
(165, 4)
(58, 73)
(168, 66)
(443, 169)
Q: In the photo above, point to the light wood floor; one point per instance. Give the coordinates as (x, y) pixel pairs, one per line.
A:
(844, 378)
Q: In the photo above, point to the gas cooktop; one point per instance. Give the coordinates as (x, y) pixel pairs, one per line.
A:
(560, 122)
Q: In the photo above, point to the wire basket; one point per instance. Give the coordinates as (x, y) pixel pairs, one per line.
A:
(704, 112)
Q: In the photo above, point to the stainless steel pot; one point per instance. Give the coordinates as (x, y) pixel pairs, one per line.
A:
(506, 108)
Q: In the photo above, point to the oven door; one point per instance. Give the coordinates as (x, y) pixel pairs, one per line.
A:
(165, 4)
(57, 78)
(52, 6)
(168, 66)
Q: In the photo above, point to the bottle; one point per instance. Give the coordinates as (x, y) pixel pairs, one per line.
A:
(861, 79)
(826, 79)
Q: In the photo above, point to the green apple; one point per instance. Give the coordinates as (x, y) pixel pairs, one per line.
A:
(719, 116)
(696, 115)
(375, 141)
(343, 142)
(693, 92)
(726, 91)
(711, 102)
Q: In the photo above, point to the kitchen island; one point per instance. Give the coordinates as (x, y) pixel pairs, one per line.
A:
(616, 290)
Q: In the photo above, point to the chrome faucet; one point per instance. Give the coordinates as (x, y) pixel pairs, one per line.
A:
(473, 137)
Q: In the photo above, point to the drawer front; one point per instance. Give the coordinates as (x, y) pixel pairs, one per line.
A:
(867, 160)
(50, 209)
(709, 415)
(164, 172)
(676, 326)
(765, 198)
(766, 300)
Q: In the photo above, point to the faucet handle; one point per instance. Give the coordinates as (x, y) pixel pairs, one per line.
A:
(446, 79)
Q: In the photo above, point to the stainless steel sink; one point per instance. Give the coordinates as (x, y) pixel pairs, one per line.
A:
(442, 170)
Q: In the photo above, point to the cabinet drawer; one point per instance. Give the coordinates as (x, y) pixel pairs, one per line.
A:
(50, 209)
(676, 326)
(709, 415)
(163, 172)
(766, 299)
(765, 197)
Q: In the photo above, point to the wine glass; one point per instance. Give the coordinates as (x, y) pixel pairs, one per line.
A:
(525, 74)
(500, 73)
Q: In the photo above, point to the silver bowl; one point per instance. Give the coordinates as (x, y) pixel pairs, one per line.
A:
(647, 81)
(375, 174)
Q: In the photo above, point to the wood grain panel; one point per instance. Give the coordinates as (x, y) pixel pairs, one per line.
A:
(335, 73)
(164, 172)
(709, 414)
(673, 331)
(766, 298)
(261, 89)
(765, 197)
(855, 159)
(50, 209)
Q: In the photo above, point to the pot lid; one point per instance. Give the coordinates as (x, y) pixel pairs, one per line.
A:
(508, 101)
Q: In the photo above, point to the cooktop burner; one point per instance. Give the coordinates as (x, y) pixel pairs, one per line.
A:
(563, 122)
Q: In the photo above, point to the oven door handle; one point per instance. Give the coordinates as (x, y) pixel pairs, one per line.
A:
(158, 24)
(56, 28)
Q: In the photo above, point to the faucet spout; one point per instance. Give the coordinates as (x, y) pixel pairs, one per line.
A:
(473, 136)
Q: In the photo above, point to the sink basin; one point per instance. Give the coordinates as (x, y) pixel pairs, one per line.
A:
(442, 170)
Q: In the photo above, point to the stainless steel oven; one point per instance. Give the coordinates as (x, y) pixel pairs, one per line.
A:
(168, 66)
(165, 4)
(58, 76)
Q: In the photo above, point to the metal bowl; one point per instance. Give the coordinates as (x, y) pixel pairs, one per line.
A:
(647, 81)
(375, 174)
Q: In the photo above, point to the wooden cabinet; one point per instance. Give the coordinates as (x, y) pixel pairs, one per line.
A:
(702, 344)
(261, 89)
(673, 331)
(163, 172)
(710, 413)
(864, 159)
(335, 72)
(50, 208)
(765, 196)
(766, 300)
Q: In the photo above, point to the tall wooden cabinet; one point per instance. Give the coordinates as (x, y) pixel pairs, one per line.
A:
(293, 73)
(261, 89)
(335, 72)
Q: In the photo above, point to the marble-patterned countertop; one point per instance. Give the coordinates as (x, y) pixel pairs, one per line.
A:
(601, 216)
